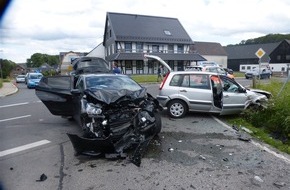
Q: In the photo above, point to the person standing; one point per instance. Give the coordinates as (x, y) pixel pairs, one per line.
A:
(116, 69)
(159, 73)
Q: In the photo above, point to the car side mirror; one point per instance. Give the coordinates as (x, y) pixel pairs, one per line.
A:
(242, 90)
(76, 91)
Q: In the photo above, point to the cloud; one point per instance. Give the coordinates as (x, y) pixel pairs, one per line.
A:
(52, 26)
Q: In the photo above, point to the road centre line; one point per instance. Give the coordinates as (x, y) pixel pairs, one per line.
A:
(256, 143)
(24, 147)
(10, 105)
(14, 118)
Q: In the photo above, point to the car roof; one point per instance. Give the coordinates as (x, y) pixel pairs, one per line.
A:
(193, 72)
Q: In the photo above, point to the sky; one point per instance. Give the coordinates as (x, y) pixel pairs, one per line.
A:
(54, 26)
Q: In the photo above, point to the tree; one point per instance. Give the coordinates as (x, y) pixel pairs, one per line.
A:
(38, 59)
(6, 67)
(270, 38)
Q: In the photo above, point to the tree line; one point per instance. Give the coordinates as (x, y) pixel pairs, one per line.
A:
(35, 61)
(270, 38)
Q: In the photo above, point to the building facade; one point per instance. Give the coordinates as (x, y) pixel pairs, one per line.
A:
(212, 51)
(243, 57)
(127, 37)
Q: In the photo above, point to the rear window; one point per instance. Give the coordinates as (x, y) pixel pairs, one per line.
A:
(35, 76)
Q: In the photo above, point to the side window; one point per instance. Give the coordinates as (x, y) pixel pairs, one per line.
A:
(185, 81)
(229, 86)
(199, 81)
(175, 80)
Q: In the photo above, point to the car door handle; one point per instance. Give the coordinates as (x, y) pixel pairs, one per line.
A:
(183, 91)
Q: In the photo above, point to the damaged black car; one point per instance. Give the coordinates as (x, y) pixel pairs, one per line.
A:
(118, 117)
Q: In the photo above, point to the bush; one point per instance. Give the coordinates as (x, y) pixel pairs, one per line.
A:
(276, 118)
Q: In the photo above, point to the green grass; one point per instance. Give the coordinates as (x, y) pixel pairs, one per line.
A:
(261, 134)
(144, 78)
(270, 125)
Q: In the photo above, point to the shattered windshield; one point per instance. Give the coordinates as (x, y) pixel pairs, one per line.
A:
(109, 82)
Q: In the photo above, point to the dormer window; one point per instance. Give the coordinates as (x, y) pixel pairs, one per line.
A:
(167, 32)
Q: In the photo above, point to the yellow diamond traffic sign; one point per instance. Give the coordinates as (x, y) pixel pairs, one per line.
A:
(260, 53)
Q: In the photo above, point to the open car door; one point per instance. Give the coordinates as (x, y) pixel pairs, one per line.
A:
(55, 93)
(234, 97)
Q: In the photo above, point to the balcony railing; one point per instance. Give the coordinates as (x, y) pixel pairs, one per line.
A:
(148, 51)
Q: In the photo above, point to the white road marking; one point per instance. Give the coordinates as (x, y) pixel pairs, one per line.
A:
(13, 118)
(10, 105)
(24, 147)
(256, 143)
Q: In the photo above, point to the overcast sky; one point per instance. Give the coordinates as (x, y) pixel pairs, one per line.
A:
(53, 26)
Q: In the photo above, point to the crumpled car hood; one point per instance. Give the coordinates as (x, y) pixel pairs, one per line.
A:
(257, 97)
(109, 96)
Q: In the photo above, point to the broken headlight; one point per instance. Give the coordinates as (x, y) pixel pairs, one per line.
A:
(93, 110)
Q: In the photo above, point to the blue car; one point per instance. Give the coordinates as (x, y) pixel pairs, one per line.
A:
(33, 79)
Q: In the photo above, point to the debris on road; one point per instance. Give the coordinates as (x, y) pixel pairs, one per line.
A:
(43, 177)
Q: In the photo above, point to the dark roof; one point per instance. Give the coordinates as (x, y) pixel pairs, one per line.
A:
(209, 48)
(141, 28)
(164, 56)
(249, 51)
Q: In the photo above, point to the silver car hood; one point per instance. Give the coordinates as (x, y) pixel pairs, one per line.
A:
(256, 97)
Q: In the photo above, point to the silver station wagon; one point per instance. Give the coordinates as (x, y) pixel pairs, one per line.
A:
(183, 91)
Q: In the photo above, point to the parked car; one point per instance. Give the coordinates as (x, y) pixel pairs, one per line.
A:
(193, 68)
(116, 113)
(20, 79)
(228, 70)
(207, 63)
(183, 91)
(258, 73)
(32, 79)
(90, 65)
(218, 70)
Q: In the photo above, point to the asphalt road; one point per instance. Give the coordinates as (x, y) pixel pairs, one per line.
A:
(196, 152)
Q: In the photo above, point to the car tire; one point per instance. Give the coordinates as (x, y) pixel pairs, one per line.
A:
(177, 109)
(158, 122)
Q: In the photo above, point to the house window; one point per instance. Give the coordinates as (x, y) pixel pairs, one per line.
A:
(278, 57)
(167, 32)
(128, 65)
(170, 48)
(287, 57)
(180, 49)
(139, 67)
(155, 48)
(139, 47)
(110, 33)
(248, 67)
(128, 47)
(243, 68)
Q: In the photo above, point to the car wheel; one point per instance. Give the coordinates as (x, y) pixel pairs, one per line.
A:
(158, 122)
(177, 109)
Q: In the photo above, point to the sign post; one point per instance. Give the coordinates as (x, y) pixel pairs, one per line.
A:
(260, 53)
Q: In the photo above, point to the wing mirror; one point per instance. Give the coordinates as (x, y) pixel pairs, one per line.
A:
(242, 90)
(76, 91)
